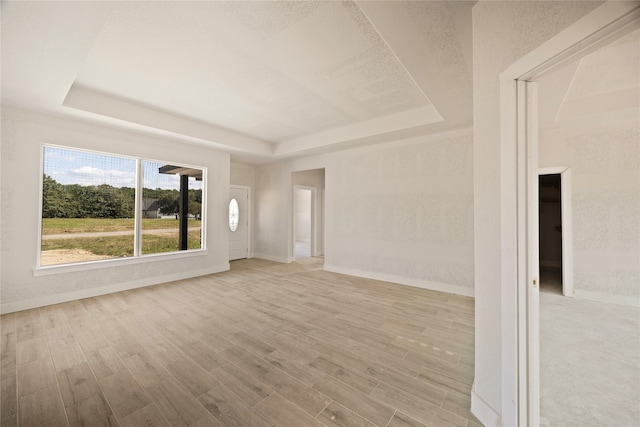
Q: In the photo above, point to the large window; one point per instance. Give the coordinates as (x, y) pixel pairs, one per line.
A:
(162, 194)
(89, 207)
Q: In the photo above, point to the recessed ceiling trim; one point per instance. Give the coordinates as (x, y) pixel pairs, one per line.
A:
(395, 55)
(382, 125)
(88, 100)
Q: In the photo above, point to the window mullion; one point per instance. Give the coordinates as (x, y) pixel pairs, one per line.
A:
(137, 240)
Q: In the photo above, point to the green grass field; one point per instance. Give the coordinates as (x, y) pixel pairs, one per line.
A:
(115, 246)
(122, 246)
(85, 225)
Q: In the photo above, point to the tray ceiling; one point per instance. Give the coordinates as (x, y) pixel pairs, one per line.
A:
(260, 79)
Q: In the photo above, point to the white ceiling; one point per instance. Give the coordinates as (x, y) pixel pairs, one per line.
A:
(263, 80)
(266, 80)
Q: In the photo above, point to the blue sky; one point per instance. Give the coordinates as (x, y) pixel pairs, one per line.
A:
(84, 168)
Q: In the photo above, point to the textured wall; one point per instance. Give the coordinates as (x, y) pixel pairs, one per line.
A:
(405, 210)
(605, 175)
(503, 32)
(400, 210)
(23, 134)
(273, 212)
(242, 174)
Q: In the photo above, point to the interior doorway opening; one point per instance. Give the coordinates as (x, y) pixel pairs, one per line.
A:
(307, 214)
(600, 28)
(550, 233)
(239, 222)
(303, 212)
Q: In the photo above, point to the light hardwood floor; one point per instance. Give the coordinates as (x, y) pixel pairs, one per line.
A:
(264, 344)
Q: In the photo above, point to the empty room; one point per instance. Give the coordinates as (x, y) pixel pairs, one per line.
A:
(320, 213)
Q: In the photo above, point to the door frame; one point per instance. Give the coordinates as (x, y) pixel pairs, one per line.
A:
(313, 232)
(566, 224)
(519, 314)
(249, 215)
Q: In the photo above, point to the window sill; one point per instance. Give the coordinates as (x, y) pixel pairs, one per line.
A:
(115, 262)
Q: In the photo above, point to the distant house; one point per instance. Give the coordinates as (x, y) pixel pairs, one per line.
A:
(150, 208)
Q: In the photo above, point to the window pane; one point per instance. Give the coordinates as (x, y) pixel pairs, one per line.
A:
(88, 203)
(161, 218)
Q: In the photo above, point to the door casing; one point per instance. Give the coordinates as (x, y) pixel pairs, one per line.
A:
(519, 308)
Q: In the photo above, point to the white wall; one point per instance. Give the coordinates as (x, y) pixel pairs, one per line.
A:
(605, 177)
(23, 134)
(242, 174)
(273, 212)
(400, 211)
(503, 32)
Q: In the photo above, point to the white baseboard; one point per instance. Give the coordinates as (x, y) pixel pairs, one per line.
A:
(283, 260)
(11, 307)
(608, 298)
(483, 412)
(407, 281)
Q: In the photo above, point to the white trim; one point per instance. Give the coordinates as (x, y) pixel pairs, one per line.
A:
(509, 252)
(11, 307)
(249, 216)
(601, 26)
(533, 255)
(40, 205)
(115, 262)
(204, 208)
(607, 298)
(556, 170)
(284, 260)
(566, 202)
(405, 281)
(137, 218)
(483, 412)
(323, 213)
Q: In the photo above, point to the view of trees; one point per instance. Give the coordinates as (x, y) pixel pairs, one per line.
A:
(105, 201)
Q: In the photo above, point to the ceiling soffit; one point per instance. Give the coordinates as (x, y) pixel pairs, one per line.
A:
(267, 78)
(274, 71)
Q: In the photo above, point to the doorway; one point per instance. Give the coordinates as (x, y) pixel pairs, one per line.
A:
(306, 235)
(303, 221)
(606, 24)
(550, 233)
(555, 231)
(239, 222)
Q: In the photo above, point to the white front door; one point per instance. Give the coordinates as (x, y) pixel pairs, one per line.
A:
(238, 223)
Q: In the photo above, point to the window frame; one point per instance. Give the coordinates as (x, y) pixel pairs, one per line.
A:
(138, 257)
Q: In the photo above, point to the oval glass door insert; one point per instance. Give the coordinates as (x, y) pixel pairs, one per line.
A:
(234, 215)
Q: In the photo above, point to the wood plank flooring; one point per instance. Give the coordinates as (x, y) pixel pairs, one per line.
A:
(264, 344)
